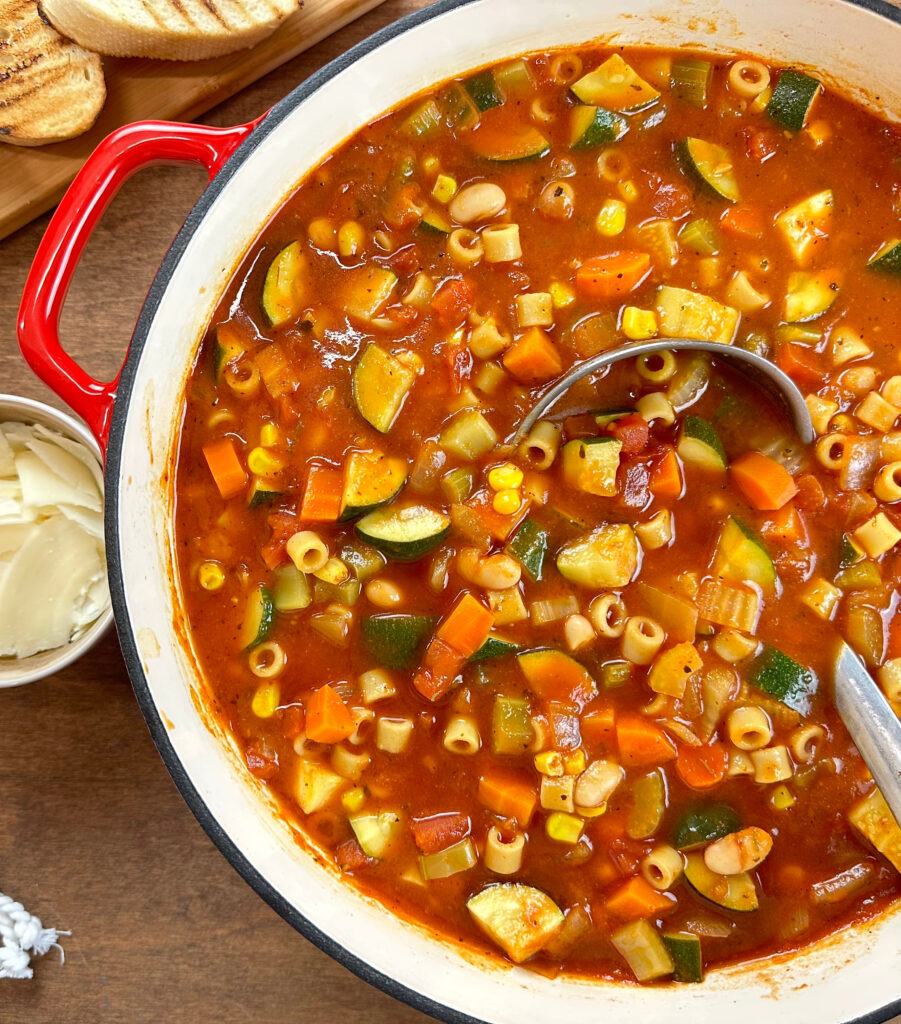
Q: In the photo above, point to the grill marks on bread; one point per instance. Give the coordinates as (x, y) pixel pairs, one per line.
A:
(50, 88)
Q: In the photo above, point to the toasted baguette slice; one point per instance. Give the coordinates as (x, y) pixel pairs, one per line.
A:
(50, 88)
(167, 29)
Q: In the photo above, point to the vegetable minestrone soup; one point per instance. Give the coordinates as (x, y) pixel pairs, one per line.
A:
(566, 701)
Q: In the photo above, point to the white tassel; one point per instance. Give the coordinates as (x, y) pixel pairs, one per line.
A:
(22, 933)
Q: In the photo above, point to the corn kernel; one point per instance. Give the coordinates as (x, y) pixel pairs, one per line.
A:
(269, 436)
(354, 799)
(265, 700)
(561, 295)
(639, 324)
(321, 232)
(574, 762)
(565, 828)
(350, 238)
(445, 188)
(430, 164)
(549, 762)
(502, 477)
(628, 190)
(263, 463)
(611, 218)
(782, 798)
(507, 502)
(210, 575)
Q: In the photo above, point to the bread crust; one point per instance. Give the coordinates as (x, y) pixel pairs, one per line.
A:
(167, 29)
(50, 88)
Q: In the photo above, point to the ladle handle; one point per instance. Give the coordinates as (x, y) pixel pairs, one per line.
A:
(872, 723)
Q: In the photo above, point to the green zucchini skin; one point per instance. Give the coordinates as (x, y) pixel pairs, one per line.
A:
(594, 126)
(484, 91)
(734, 892)
(685, 949)
(404, 534)
(495, 647)
(792, 99)
(699, 161)
(396, 641)
(262, 492)
(887, 260)
(781, 677)
(259, 618)
(703, 824)
(700, 444)
(529, 547)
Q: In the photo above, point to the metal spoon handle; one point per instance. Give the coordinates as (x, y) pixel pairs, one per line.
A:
(872, 723)
(765, 373)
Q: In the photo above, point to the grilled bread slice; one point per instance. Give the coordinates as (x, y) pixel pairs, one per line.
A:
(50, 88)
(167, 29)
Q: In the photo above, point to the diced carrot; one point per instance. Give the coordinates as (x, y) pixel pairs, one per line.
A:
(583, 425)
(798, 363)
(496, 524)
(328, 718)
(613, 275)
(599, 727)
(440, 830)
(766, 483)
(533, 357)
(666, 476)
(453, 300)
(283, 526)
(641, 742)
(441, 666)
(322, 495)
(509, 794)
(228, 473)
(811, 496)
(743, 221)
(638, 898)
(702, 767)
(632, 432)
(467, 627)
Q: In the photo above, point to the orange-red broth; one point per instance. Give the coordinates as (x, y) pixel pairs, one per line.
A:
(317, 420)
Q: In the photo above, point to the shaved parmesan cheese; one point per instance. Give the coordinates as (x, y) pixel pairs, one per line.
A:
(52, 562)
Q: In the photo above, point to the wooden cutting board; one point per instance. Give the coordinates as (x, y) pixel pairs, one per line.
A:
(33, 179)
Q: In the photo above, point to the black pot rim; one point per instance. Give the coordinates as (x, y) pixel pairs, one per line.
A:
(127, 640)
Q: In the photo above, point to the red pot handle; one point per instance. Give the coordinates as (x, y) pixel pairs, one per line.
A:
(121, 154)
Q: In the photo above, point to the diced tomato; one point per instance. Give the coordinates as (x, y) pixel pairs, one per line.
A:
(631, 431)
(598, 727)
(811, 497)
(402, 208)
(744, 221)
(292, 721)
(583, 425)
(893, 648)
(350, 857)
(261, 759)
(761, 143)
(406, 261)
(459, 365)
(283, 525)
(439, 831)
(670, 199)
(799, 364)
(453, 301)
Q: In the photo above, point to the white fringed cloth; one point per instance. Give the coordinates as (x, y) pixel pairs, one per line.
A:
(22, 936)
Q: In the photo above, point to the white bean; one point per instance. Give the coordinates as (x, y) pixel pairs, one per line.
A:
(477, 202)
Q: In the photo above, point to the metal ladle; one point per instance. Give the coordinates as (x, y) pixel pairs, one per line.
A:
(868, 716)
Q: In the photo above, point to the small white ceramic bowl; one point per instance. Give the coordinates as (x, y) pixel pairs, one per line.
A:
(16, 671)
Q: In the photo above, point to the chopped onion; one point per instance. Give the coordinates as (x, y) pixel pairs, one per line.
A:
(52, 563)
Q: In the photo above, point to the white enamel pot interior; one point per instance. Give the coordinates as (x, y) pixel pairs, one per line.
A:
(855, 976)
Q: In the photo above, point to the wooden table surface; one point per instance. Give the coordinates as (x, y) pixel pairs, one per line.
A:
(94, 836)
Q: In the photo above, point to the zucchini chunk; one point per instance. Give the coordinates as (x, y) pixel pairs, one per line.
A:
(376, 832)
(809, 295)
(458, 107)
(380, 384)
(366, 290)
(700, 444)
(615, 85)
(370, 479)
(513, 143)
(519, 918)
(874, 821)
(423, 121)
(395, 641)
(259, 617)
(888, 259)
(710, 166)
(686, 314)
(283, 289)
(704, 824)
(604, 417)
(607, 557)
(553, 675)
(807, 223)
(291, 591)
(529, 548)
(495, 647)
(641, 946)
(590, 127)
(741, 556)
(781, 677)
(262, 492)
(689, 81)
(511, 728)
(435, 223)
(590, 464)
(792, 99)
(404, 534)
(228, 347)
(484, 91)
(685, 950)
(734, 892)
